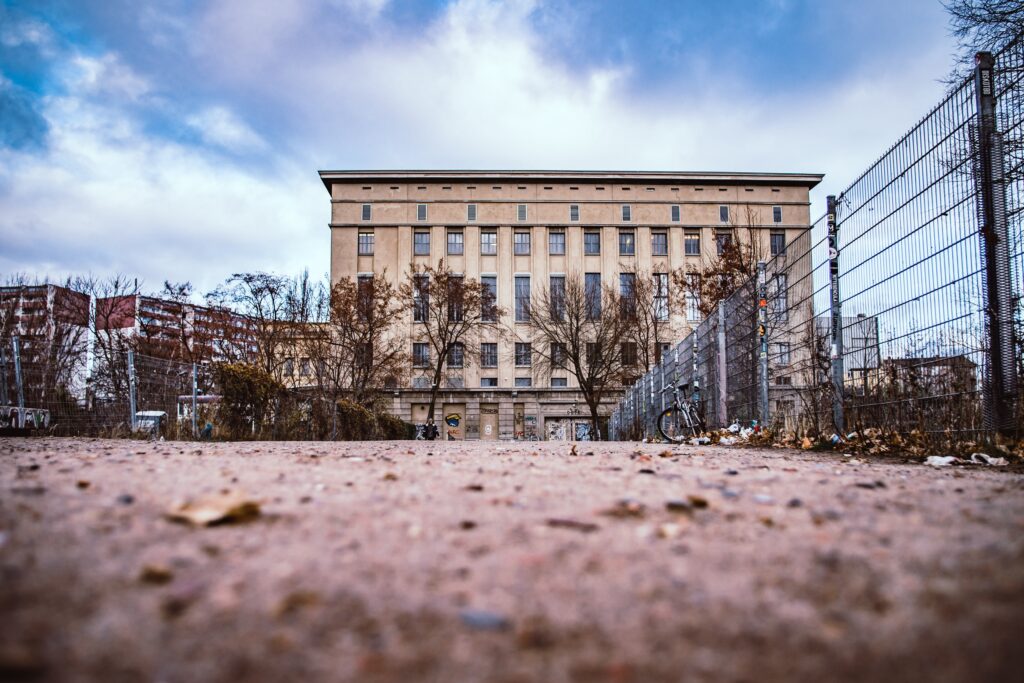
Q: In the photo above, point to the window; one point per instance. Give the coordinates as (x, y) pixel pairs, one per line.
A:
(420, 355)
(781, 301)
(456, 353)
(659, 244)
(522, 242)
(661, 296)
(691, 244)
(778, 239)
(592, 294)
(722, 239)
(488, 242)
(675, 213)
(629, 353)
(455, 244)
(421, 243)
(421, 212)
(558, 354)
(524, 354)
(723, 214)
(559, 382)
(594, 355)
(556, 242)
(627, 213)
(524, 382)
(366, 212)
(777, 214)
(456, 295)
(521, 212)
(661, 351)
(489, 355)
(627, 243)
(420, 298)
(627, 294)
(471, 212)
(289, 367)
(782, 353)
(489, 298)
(784, 380)
(557, 296)
(305, 367)
(591, 242)
(488, 382)
(574, 212)
(692, 297)
(366, 244)
(420, 382)
(522, 298)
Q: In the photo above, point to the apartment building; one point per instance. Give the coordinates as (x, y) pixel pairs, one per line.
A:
(515, 231)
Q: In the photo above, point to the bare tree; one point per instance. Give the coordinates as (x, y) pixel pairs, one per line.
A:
(652, 326)
(983, 25)
(456, 312)
(113, 328)
(584, 331)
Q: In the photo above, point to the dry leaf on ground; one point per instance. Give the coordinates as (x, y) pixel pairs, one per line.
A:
(224, 507)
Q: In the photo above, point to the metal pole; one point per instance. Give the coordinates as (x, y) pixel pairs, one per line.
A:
(195, 392)
(762, 346)
(19, 380)
(836, 307)
(723, 374)
(131, 388)
(3, 378)
(1001, 376)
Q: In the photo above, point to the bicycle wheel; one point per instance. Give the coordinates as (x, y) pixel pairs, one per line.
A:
(674, 425)
(697, 426)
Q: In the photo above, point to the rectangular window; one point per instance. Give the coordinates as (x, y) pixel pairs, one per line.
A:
(366, 212)
(693, 297)
(661, 351)
(691, 244)
(420, 355)
(777, 214)
(455, 244)
(559, 355)
(778, 243)
(574, 212)
(675, 213)
(488, 382)
(456, 353)
(627, 213)
(592, 294)
(522, 243)
(471, 212)
(557, 295)
(659, 244)
(488, 242)
(594, 355)
(489, 355)
(524, 354)
(420, 298)
(782, 353)
(784, 380)
(781, 300)
(421, 212)
(456, 298)
(522, 298)
(723, 214)
(521, 212)
(524, 382)
(366, 244)
(421, 243)
(627, 243)
(627, 294)
(489, 298)
(556, 242)
(661, 296)
(559, 382)
(722, 239)
(629, 353)
(591, 242)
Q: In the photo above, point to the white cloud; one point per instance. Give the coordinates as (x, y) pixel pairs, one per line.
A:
(221, 127)
(106, 75)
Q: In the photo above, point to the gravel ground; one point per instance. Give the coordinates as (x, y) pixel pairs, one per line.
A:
(419, 561)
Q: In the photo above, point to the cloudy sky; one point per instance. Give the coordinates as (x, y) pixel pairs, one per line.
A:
(180, 140)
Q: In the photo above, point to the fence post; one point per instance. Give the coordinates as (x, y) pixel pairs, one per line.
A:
(4, 400)
(836, 308)
(1001, 377)
(19, 380)
(762, 345)
(195, 392)
(723, 373)
(131, 388)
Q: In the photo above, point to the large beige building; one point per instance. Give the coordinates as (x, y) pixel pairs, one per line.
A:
(516, 229)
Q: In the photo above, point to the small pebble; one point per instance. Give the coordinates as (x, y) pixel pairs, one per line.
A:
(483, 620)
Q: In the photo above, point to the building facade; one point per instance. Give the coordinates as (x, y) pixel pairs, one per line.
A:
(515, 230)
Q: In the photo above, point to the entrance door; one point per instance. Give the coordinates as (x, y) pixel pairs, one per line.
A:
(488, 421)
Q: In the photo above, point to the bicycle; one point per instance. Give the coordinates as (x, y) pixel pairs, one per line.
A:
(681, 420)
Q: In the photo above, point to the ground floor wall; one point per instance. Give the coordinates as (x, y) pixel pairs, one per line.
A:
(504, 415)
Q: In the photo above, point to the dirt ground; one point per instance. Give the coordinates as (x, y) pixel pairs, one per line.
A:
(422, 561)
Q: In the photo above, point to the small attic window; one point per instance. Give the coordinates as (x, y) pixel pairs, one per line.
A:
(775, 189)
(574, 187)
(470, 187)
(367, 187)
(496, 187)
(394, 187)
(626, 189)
(600, 189)
(547, 187)
(522, 187)
(748, 189)
(722, 189)
(674, 189)
(698, 189)
(422, 187)
(446, 187)
(650, 189)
